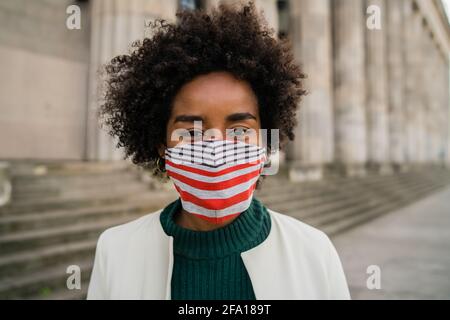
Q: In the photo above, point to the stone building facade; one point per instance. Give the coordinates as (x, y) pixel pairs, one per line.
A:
(378, 79)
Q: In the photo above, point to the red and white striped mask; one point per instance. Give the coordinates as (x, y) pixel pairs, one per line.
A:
(215, 178)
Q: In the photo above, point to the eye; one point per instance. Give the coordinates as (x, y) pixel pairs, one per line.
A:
(189, 135)
(237, 132)
(196, 133)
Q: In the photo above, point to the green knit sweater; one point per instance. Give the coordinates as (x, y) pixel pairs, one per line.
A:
(207, 264)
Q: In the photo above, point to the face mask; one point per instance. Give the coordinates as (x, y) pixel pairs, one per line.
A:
(215, 179)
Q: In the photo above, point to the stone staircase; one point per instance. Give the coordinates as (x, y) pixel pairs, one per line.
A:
(337, 204)
(58, 211)
(56, 214)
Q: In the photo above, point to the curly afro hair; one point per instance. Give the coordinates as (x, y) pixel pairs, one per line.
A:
(140, 86)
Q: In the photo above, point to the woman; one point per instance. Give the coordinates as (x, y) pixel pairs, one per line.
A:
(195, 93)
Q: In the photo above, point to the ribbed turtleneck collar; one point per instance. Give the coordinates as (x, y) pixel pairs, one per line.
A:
(249, 229)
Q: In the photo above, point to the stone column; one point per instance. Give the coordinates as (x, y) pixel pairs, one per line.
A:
(412, 29)
(446, 107)
(422, 90)
(310, 32)
(442, 93)
(115, 25)
(395, 60)
(433, 114)
(377, 92)
(444, 98)
(349, 86)
(270, 11)
(268, 7)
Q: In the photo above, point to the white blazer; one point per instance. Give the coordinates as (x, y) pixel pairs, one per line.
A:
(295, 261)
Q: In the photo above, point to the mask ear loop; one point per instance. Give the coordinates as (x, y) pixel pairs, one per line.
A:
(160, 165)
(267, 161)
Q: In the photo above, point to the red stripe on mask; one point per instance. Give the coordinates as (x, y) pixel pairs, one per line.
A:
(216, 204)
(212, 173)
(213, 186)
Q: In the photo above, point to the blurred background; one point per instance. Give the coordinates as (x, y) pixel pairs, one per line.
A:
(373, 139)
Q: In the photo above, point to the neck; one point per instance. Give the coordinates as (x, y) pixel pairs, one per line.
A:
(192, 222)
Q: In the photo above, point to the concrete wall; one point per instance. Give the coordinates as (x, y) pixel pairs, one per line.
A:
(43, 82)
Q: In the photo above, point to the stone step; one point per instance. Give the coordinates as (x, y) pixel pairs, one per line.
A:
(388, 190)
(294, 190)
(21, 254)
(340, 225)
(65, 168)
(64, 294)
(299, 193)
(300, 196)
(323, 199)
(18, 263)
(66, 234)
(68, 192)
(332, 216)
(338, 214)
(24, 184)
(295, 206)
(42, 283)
(74, 200)
(89, 168)
(287, 188)
(283, 186)
(325, 212)
(402, 191)
(54, 218)
(27, 187)
(309, 212)
(364, 198)
(71, 184)
(358, 218)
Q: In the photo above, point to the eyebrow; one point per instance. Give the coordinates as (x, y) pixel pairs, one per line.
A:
(240, 116)
(230, 118)
(187, 118)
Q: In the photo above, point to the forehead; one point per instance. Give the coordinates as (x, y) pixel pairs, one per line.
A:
(218, 93)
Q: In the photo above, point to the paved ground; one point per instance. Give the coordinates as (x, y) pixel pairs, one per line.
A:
(411, 246)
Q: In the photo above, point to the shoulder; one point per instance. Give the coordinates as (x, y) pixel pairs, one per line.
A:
(300, 232)
(311, 248)
(120, 235)
(306, 244)
(119, 248)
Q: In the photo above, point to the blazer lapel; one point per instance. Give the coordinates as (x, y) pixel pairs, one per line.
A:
(270, 267)
(149, 263)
